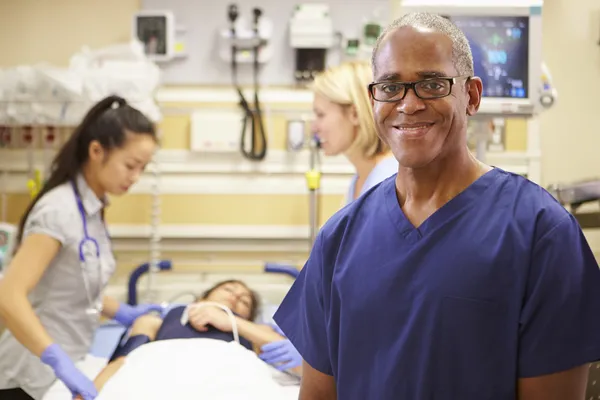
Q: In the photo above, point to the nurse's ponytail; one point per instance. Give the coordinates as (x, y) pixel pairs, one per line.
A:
(106, 122)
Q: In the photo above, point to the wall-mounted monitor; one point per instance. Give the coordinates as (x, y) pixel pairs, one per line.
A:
(506, 40)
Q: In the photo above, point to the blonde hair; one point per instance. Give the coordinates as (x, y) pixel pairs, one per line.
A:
(346, 85)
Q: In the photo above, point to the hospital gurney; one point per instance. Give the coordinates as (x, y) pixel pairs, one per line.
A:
(182, 287)
(576, 195)
(226, 371)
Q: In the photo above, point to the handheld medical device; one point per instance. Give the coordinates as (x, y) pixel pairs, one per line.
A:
(89, 258)
(311, 34)
(252, 116)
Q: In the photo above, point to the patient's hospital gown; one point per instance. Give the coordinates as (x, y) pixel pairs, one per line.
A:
(60, 299)
(499, 283)
(171, 328)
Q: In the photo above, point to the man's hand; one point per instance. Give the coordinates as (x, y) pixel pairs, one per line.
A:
(200, 317)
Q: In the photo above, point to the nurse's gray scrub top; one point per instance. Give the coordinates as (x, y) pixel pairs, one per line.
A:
(60, 299)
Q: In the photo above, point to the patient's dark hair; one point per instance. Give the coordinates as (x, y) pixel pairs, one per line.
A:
(253, 296)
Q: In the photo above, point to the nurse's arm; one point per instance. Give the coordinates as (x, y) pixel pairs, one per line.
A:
(110, 305)
(570, 384)
(25, 270)
(316, 385)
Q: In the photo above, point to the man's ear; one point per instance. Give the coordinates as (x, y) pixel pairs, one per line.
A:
(474, 89)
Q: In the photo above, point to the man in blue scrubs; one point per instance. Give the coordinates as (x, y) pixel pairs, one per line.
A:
(452, 279)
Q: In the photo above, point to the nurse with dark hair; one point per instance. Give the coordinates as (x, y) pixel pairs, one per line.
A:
(51, 296)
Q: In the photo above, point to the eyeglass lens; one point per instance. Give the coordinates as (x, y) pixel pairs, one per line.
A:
(426, 89)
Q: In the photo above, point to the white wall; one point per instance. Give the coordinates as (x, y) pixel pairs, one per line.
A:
(571, 130)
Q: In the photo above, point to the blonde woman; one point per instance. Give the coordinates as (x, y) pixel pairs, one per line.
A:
(344, 125)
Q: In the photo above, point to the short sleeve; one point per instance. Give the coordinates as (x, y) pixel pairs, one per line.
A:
(560, 317)
(47, 219)
(301, 315)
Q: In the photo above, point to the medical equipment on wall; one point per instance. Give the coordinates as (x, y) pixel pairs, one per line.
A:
(249, 43)
(506, 42)
(8, 233)
(242, 38)
(361, 46)
(548, 93)
(313, 182)
(297, 140)
(311, 35)
(577, 194)
(157, 32)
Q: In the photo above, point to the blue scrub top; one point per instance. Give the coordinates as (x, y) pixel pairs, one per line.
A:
(498, 284)
(383, 170)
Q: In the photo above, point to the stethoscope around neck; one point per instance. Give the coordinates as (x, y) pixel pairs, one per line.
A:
(89, 251)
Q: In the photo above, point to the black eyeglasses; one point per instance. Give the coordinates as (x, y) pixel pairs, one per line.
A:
(426, 89)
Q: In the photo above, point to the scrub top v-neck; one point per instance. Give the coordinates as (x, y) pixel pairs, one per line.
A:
(450, 210)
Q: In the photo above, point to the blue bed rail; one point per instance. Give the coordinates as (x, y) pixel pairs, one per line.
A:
(163, 265)
(286, 269)
(166, 265)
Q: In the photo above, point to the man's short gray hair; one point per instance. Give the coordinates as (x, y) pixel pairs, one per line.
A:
(462, 57)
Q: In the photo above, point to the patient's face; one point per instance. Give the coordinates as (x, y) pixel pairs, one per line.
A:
(234, 295)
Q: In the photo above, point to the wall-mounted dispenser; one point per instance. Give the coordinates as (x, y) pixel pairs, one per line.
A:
(311, 34)
(158, 33)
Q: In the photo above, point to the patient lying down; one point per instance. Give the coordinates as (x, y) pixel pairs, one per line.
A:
(206, 322)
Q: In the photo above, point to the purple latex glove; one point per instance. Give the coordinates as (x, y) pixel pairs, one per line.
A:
(68, 373)
(281, 355)
(127, 314)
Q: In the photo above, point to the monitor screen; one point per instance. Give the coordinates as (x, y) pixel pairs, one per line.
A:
(500, 47)
(152, 32)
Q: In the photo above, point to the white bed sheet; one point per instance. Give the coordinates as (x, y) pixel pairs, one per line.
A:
(188, 368)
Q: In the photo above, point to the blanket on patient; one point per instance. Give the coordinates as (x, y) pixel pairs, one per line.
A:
(193, 368)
